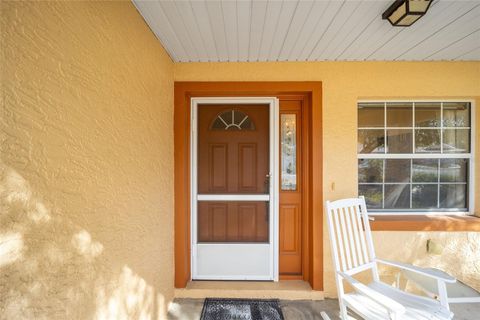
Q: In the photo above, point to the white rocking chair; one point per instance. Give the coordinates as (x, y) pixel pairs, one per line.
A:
(353, 252)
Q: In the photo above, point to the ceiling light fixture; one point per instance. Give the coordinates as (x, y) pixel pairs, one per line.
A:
(404, 13)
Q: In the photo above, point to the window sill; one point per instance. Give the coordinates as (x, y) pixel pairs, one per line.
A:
(425, 223)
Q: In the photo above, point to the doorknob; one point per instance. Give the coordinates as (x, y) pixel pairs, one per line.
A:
(267, 182)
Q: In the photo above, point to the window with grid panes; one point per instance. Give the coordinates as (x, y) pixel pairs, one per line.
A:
(414, 156)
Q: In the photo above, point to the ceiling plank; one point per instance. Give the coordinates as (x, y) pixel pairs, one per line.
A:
(330, 12)
(366, 14)
(229, 11)
(244, 14)
(315, 16)
(469, 56)
(285, 19)
(259, 11)
(299, 19)
(457, 48)
(215, 16)
(271, 21)
(203, 24)
(333, 34)
(185, 11)
(181, 32)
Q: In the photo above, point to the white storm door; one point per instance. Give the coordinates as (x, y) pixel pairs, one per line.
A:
(234, 179)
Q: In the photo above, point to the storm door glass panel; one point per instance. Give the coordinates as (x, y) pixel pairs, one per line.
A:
(233, 174)
(232, 221)
(288, 156)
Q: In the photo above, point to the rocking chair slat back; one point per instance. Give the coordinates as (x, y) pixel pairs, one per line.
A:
(351, 239)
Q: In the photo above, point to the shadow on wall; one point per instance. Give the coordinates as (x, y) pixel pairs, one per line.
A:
(457, 253)
(51, 268)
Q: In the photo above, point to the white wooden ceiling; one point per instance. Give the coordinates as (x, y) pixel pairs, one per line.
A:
(291, 30)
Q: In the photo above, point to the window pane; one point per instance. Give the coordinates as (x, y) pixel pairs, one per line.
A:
(370, 170)
(427, 114)
(427, 141)
(453, 170)
(456, 141)
(289, 151)
(371, 115)
(371, 141)
(399, 141)
(397, 196)
(424, 196)
(372, 194)
(456, 114)
(425, 170)
(400, 114)
(397, 170)
(453, 196)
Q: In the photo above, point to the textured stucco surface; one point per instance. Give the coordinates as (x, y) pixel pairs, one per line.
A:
(343, 84)
(86, 166)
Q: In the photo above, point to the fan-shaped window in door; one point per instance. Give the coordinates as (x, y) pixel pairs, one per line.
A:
(232, 120)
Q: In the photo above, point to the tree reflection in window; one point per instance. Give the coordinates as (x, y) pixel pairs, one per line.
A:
(232, 120)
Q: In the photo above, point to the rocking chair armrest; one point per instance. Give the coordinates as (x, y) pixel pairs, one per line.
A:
(438, 275)
(391, 305)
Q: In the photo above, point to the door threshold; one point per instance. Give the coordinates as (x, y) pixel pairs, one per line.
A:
(285, 290)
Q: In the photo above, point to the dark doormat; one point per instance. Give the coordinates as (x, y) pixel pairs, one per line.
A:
(241, 309)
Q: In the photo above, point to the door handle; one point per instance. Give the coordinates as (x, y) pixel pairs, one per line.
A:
(267, 183)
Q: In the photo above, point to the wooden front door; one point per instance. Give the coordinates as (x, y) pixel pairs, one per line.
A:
(233, 158)
(233, 213)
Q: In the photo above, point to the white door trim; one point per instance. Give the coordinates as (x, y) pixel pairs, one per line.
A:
(273, 195)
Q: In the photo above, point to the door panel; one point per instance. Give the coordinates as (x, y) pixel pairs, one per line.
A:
(232, 221)
(290, 229)
(247, 166)
(290, 239)
(218, 168)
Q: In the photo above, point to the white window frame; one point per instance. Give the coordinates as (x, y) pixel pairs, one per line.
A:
(413, 155)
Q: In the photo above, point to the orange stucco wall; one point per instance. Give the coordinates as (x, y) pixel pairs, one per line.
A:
(343, 84)
(86, 163)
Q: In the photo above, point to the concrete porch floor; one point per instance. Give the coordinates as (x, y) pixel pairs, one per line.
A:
(190, 309)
